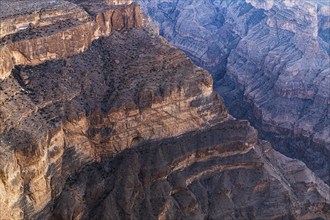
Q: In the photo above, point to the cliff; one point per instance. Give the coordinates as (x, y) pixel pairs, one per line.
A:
(222, 172)
(270, 63)
(44, 31)
(100, 118)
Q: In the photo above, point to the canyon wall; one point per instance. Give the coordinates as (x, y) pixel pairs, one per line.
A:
(270, 63)
(57, 31)
(100, 118)
(222, 172)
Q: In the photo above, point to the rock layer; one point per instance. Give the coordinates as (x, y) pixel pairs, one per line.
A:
(210, 174)
(62, 114)
(270, 62)
(67, 33)
(128, 127)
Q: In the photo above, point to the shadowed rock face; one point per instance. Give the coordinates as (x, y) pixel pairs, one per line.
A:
(220, 173)
(123, 90)
(270, 63)
(128, 127)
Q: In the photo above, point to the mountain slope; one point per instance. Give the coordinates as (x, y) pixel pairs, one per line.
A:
(100, 118)
(270, 63)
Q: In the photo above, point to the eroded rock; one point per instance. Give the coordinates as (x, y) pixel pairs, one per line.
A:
(129, 127)
(269, 61)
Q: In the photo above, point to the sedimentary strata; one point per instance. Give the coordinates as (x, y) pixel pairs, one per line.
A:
(115, 123)
(269, 61)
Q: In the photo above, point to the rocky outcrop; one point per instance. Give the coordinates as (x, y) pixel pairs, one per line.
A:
(270, 62)
(210, 174)
(60, 115)
(128, 126)
(21, 15)
(66, 32)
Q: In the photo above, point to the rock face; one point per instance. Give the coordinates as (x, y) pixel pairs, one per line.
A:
(101, 118)
(58, 33)
(60, 115)
(20, 15)
(270, 62)
(229, 176)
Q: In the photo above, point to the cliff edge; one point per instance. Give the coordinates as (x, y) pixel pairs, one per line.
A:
(100, 118)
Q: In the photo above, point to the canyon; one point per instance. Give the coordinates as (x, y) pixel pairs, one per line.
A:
(101, 118)
(269, 61)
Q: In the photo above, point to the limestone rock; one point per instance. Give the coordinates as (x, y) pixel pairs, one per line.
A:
(65, 33)
(211, 174)
(270, 62)
(119, 124)
(60, 115)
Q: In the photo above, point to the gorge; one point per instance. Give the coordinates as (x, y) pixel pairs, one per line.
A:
(101, 118)
(270, 62)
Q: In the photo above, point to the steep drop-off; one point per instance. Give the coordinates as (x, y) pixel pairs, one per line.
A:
(270, 61)
(100, 118)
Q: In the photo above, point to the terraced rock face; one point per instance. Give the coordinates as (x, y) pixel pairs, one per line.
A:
(20, 15)
(270, 62)
(219, 173)
(127, 126)
(57, 31)
(123, 90)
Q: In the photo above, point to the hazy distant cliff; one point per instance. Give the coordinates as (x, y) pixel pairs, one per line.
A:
(270, 61)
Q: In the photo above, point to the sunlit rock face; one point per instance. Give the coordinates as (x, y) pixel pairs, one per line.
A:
(57, 31)
(20, 15)
(60, 115)
(78, 91)
(100, 118)
(270, 62)
(222, 172)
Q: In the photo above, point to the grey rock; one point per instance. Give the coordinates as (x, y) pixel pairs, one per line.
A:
(270, 62)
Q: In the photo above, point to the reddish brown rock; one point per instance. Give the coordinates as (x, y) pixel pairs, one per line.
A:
(60, 115)
(63, 37)
(128, 127)
(214, 174)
